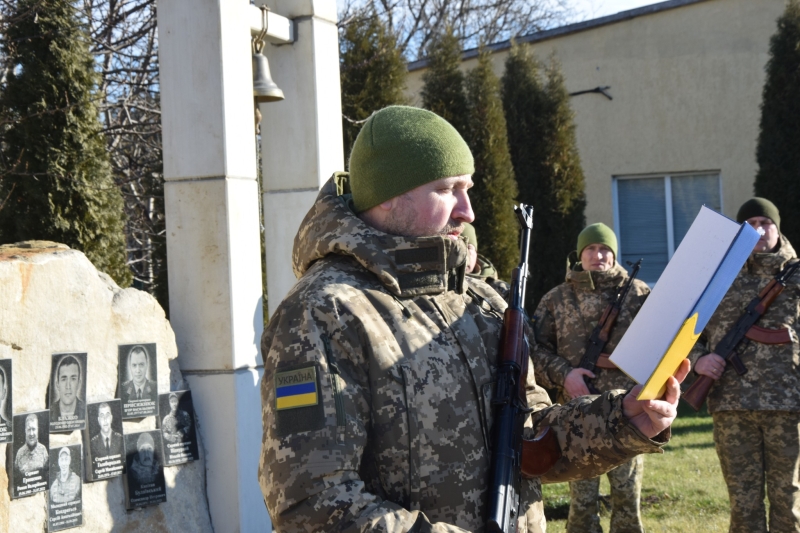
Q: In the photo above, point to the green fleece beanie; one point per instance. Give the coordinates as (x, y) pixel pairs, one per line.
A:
(759, 207)
(469, 235)
(400, 148)
(597, 234)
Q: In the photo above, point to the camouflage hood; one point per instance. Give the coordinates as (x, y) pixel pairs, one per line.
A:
(597, 279)
(406, 266)
(769, 264)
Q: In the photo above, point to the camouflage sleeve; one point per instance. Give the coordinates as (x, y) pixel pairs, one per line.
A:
(313, 445)
(594, 436)
(550, 368)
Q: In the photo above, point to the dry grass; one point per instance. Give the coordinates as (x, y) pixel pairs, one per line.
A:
(682, 490)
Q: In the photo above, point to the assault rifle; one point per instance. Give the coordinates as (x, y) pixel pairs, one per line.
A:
(602, 331)
(512, 456)
(728, 347)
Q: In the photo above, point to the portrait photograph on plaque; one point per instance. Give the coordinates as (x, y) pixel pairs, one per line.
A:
(138, 385)
(29, 451)
(144, 474)
(6, 408)
(65, 505)
(67, 392)
(103, 443)
(176, 420)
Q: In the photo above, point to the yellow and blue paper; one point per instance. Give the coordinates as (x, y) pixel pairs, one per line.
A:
(296, 388)
(693, 326)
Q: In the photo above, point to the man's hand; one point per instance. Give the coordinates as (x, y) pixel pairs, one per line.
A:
(711, 365)
(574, 385)
(652, 417)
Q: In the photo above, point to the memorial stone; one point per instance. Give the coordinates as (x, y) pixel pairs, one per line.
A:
(55, 301)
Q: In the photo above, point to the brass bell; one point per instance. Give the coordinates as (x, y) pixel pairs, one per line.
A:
(264, 89)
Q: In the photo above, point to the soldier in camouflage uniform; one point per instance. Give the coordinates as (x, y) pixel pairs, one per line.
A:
(565, 318)
(380, 362)
(479, 266)
(757, 415)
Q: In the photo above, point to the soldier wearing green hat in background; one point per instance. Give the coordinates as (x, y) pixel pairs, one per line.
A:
(479, 266)
(757, 415)
(378, 364)
(565, 318)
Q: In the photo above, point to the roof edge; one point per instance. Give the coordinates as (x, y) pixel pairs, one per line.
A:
(566, 30)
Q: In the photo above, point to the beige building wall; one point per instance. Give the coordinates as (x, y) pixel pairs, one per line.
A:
(686, 83)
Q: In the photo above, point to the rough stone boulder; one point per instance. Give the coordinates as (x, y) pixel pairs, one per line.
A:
(53, 300)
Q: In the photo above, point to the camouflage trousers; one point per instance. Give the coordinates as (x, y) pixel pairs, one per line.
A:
(626, 488)
(755, 447)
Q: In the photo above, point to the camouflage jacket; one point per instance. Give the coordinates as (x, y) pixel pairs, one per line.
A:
(772, 381)
(485, 271)
(378, 376)
(565, 318)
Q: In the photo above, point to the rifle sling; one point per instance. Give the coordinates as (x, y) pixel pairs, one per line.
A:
(768, 336)
(604, 362)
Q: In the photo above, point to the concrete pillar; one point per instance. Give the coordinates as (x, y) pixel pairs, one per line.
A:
(301, 137)
(213, 242)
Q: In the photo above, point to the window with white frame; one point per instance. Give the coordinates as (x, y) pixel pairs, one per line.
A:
(653, 213)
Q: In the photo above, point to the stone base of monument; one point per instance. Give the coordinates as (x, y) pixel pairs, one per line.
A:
(53, 300)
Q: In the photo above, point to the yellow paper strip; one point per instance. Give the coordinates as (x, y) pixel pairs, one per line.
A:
(678, 350)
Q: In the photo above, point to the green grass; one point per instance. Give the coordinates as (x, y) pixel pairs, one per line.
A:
(682, 491)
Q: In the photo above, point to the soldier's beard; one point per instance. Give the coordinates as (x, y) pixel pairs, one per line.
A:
(146, 458)
(405, 223)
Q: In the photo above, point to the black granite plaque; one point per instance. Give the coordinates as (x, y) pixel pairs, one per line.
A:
(103, 442)
(65, 504)
(138, 386)
(176, 418)
(29, 453)
(67, 392)
(144, 473)
(6, 407)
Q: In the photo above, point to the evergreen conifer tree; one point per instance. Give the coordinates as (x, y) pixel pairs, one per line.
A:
(778, 149)
(56, 181)
(443, 91)
(373, 73)
(541, 137)
(495, 189)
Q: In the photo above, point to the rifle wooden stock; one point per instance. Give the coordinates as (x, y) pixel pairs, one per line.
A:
(540, 454)
(698, 392)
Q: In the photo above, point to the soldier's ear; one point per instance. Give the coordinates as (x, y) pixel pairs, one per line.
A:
(389, 204)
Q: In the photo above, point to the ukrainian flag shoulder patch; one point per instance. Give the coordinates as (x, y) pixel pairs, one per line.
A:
(296, 388)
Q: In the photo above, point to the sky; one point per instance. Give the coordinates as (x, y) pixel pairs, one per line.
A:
(590, 9)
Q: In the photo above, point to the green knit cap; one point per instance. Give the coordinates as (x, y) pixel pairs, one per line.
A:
(400, 148)
(469, 235)
(597, 234)
(759, 207)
